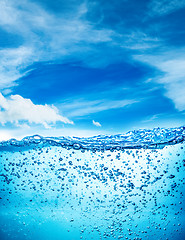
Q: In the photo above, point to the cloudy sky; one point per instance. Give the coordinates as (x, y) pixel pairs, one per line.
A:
(82, 68)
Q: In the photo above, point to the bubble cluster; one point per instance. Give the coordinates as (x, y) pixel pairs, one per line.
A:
(110, 194)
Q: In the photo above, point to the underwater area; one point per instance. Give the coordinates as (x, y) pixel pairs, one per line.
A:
(124, 186)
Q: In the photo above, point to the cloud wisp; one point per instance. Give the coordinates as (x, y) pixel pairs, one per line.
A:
(97, 124)
(164, 7)
(83, 107)
(18, 110)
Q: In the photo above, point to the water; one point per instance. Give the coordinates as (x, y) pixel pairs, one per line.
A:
(126, 186)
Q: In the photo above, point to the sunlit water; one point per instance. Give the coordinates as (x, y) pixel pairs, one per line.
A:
(127, 186)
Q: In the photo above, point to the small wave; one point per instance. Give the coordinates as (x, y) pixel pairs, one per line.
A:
(142, 138)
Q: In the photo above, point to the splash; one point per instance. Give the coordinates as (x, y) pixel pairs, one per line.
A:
(156, 138)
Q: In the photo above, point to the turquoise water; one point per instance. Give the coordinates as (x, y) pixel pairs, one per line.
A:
(126, 186)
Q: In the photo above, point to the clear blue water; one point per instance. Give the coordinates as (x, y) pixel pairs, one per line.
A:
(126, 186)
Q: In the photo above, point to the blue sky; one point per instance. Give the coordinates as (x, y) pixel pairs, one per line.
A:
(91, 67)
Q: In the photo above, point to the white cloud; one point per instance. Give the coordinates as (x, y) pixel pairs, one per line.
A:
(82, 107)
(97, 124)
(44, 36)
(17, 109)
(174, 81)
(172, 66)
